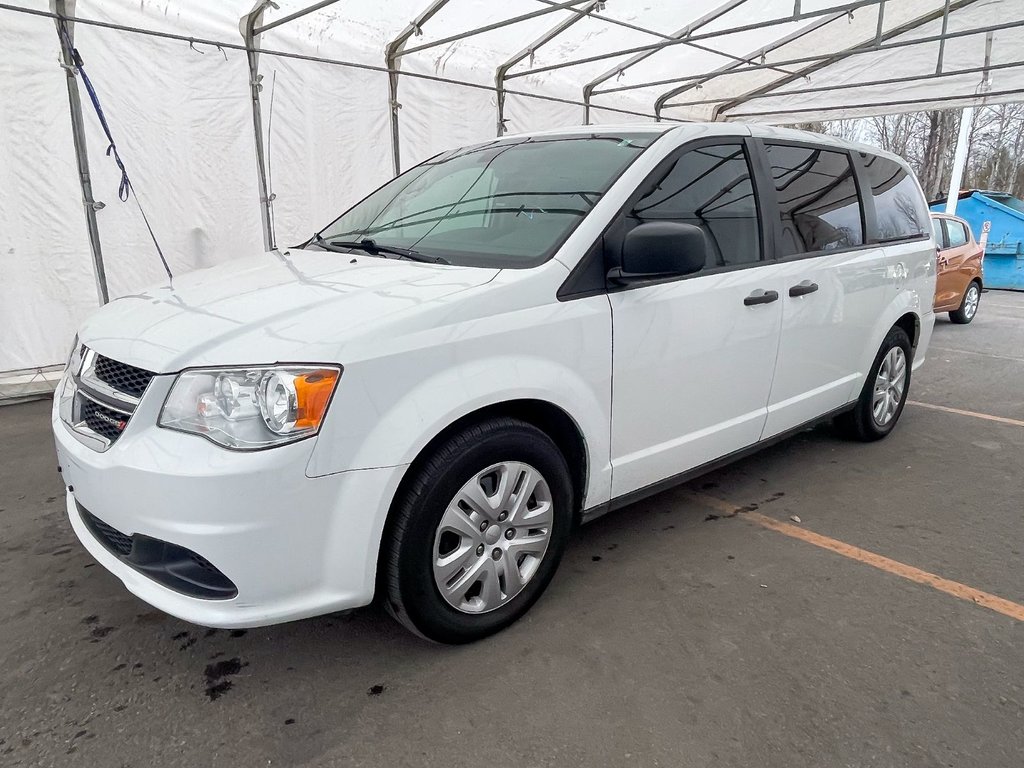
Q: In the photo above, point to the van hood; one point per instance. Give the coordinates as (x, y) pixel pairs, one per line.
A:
(295, 306)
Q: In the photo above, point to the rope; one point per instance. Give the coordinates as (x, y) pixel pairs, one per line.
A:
(125, 188)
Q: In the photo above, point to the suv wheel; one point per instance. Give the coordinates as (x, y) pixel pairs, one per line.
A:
(884, 394)
(968, 306)
(479, 532)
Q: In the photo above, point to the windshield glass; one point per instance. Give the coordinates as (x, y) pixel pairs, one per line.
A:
(508, 203)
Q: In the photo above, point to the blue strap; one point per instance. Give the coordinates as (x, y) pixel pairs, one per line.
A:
(125, 187)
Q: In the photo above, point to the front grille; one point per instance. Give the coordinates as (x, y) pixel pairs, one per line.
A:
(102, 420)
(121, 376)
(117, 542)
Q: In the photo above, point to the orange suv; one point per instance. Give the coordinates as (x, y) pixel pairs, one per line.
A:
(959, 260)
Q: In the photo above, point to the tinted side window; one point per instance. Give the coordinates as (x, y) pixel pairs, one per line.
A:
(956, 232)
(818, 201)
(711, 188)
(937, 233)
(900, 211)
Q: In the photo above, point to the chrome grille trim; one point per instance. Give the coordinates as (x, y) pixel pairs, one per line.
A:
(88, 380)
(84, 397)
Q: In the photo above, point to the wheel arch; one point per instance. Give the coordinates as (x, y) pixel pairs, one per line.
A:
(911, 324)
(551, 419)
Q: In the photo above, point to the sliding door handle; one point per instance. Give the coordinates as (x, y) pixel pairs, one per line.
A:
(761, 296)
(803, 288)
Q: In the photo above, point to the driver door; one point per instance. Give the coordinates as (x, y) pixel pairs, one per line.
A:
(693, 356)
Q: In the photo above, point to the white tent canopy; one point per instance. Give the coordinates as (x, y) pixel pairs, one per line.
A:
(346, 90)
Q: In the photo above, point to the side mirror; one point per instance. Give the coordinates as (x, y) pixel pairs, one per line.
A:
(661, 249)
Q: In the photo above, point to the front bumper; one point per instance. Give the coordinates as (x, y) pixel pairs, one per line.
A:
(292, 546)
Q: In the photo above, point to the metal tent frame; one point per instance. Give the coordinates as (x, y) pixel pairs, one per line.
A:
(700, 33)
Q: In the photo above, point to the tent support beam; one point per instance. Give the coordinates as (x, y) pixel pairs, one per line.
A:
(588, 89)
(491, 27)
(81, 152)
(894, 106)
(864, 46)
(821, 59)
(391, 55)
(247, 26)
(528, 51)
(661, 101)
(862, 84)
(844, 9)
(293, 16)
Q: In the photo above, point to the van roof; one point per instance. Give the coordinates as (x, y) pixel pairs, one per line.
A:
(750, 129)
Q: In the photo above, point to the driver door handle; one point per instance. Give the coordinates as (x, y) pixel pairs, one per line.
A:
(761, 296)
(803, 288)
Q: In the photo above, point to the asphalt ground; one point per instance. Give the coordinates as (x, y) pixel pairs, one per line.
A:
(823, 603)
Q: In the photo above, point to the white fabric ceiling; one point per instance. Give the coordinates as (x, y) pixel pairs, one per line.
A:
(181, 114)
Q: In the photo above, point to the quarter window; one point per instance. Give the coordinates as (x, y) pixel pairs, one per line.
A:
(817, 196)
(956, 232)
(711, 188)
(900, 211)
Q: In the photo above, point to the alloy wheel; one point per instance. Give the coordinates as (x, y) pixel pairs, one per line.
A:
(971, 301)
(890, 382)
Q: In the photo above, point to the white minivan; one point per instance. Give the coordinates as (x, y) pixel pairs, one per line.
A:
(423, 400)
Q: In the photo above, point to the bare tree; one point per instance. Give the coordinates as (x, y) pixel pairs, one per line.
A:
(927, 140)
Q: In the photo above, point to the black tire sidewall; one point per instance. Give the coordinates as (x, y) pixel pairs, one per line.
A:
(959, 315)
(420, 599)
(869, 429)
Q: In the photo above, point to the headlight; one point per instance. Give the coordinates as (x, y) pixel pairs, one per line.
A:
(250, 408)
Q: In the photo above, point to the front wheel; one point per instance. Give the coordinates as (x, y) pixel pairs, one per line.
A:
(479, 532)
(885, 392)
(968, 306)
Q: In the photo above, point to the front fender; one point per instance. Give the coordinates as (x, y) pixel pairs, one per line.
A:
(388, 408)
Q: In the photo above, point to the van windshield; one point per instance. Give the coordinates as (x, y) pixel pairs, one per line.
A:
(506, 204)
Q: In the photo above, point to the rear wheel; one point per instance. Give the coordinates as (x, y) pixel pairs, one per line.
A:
(479, 533)
(885, 392)
(968, 306)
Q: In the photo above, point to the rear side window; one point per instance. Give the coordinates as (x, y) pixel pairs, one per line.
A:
(818, 202)
(900, 210)
(711, 188)
(956, 232)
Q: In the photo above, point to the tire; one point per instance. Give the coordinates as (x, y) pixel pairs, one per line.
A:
(968, 305)
(862, 422)
(448, 532)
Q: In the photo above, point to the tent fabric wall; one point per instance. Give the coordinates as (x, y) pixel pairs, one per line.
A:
(46, 276)
(181, 113)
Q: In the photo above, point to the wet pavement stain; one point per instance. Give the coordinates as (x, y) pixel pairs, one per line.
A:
(216, 684)
(375, 690)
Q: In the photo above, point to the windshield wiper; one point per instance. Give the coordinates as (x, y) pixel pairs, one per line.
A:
(374, 248)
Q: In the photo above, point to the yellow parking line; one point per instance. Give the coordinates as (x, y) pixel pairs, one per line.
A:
(909, 572)
(975, 414)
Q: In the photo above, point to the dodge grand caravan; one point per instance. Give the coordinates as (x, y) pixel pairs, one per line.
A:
(423, 400)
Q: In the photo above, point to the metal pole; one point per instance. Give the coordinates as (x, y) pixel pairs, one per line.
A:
(81, 154)
(959, 159)
(247, 26)
(547, 37)
(588, 89)
(391, 55)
